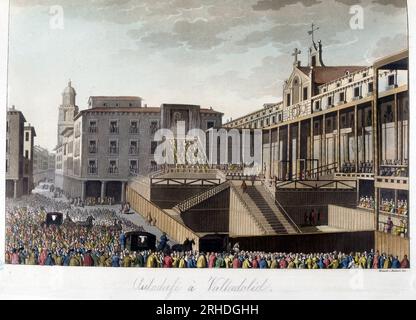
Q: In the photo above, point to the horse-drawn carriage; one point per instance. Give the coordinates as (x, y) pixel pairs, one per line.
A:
(140, 240)
(54, 218)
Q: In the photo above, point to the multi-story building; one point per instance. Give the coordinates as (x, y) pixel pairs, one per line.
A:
(43, 165)
(343, 123)
(112, 141)
(28, 144)
(19, 150)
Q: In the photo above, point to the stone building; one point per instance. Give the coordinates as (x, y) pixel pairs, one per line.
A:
(43, 165)
(28, 154)
(19, 154)
(104, 146)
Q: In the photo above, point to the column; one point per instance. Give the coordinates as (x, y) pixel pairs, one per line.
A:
(356, 136)
(298, 171)
(396, 127)
(102, 194)
(15, 189)
(270, 155)
(311, 153)
(278, 152)
(123, 191)
(288, 154)
(83, 190)
(338, 145)
(323, 141)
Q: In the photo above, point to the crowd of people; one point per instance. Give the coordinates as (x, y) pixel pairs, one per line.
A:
(367, 202)
(394, 168)
(31, 242)
(387, 205)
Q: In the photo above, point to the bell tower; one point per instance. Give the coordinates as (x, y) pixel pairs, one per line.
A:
(67, 111)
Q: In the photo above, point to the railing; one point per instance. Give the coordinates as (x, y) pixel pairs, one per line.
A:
(133, 150)
(133, 171)
(134, 130)
(318, 184)
(243, 202)
(113, 129)
(113, 170)
(92, 149)
(198, 198)
(92, 170)
(283, 211)
(163, 221)
(92, 129)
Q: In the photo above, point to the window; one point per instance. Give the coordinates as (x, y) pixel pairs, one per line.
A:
(390, 80)
(92, 146)
(341, 96)
(113, 148)
(288, 99)
(27, 154)
(7, 165)
(113, 126)
(210, 124)
(7, 126)
(153, 147)
(329, 101)
(113, 168)
(338, 84)
(370, 87)
(364, 75)
(350, 80)
(356, 92)
(92, 128)
(92, 166)
(133, 167)
(313, 61)
(7, 146)
(116, 104)
(305, 93)
(134, 127)
(134, 147)
(27, 136)
(316, 105)
(273, 119)
(154, 125)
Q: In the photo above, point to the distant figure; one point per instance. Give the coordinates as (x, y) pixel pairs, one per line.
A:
(149, 219)
(244, 186)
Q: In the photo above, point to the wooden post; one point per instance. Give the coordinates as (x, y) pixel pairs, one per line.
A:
(338, 144)
(298, 138)
(288, 152)
(323, 141)
(396, 127)
(311, 153)
(356, 136)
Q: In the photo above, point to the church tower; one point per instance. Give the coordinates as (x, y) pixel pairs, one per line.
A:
(315, 51)
(67, 111)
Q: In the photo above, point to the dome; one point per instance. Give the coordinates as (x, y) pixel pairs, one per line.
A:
(69, 89)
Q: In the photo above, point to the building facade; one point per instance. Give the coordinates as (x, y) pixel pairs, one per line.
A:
(19, 154)
(43, 165)
(111, 142)
(345, 123)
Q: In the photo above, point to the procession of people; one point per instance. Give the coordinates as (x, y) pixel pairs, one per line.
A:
(30, 242)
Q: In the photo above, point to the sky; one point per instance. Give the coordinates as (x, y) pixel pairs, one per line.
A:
(232, 55)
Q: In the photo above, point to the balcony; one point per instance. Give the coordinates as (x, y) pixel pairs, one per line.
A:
(92, 129)
(133, 150)
(92, 170)
(113, 150)
(92, 149)
(133, 171)
(114, 129)
(134, 130)
(113, 170)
